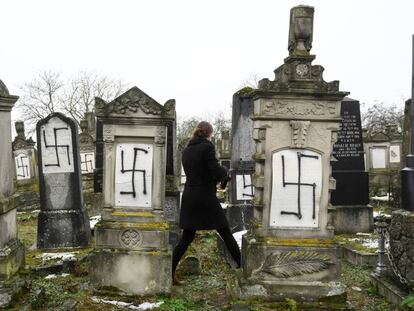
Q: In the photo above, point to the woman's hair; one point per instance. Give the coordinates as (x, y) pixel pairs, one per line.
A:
(202, 130)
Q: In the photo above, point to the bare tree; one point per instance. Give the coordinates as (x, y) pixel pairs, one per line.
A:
(40, 97)
(78, 96)
(49, 92)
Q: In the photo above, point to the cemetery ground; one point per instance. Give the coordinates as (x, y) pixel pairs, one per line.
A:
(51, 286)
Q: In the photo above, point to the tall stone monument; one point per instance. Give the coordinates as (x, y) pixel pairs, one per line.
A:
(241, 190)
(292, 253)
(352, 212)
(11, 249)
(63, 220)
(27, 181)
(132, 251)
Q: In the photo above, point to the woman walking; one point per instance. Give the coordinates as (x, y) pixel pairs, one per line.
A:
(200, 208)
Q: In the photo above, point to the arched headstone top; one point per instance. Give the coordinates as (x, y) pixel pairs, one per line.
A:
(134, 102)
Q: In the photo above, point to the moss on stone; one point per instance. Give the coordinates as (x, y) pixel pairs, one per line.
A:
(132, 214)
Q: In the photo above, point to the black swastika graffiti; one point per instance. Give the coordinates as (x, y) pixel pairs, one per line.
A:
(86, 163)
(56, 146)
(299, 184)
(133, 170)
(245, 185)
(22, 170)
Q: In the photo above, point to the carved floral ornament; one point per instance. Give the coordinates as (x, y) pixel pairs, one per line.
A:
(295, 263)
(315, 109)
(130, 238)
(132, 102)
(299, 133)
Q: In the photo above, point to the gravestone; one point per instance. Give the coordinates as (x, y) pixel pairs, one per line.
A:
(132, 251)
(87, 155)
(241, 191)
(351, 196)
(291, 252)
(383, 159)
(63, 220)
(27, 182)
(406, 145)
(11, 249)
(98, 171)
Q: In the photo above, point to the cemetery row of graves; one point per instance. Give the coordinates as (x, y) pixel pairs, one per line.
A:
(89, 216)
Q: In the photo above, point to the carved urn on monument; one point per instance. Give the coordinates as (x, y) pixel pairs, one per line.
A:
(291, 251)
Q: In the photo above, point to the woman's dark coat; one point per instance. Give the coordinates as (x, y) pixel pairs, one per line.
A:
(200, 208)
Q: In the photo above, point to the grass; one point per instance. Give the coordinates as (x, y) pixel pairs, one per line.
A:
(203, 292)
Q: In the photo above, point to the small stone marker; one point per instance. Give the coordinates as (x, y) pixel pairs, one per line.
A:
(190, 265)
(63, 220)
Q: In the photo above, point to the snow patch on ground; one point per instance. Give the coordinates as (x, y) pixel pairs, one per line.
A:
(121, 304)
(384, 198)
(94, 220)
(59, 256)
(54, 276)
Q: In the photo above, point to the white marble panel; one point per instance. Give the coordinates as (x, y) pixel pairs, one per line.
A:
(57, 149)
(22, 162)
(133, 188)
(244, 189)
(395, 154)
(378, 159)
(286, 194)
(87, 162)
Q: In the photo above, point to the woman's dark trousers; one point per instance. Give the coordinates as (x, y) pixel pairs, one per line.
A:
(188, 237)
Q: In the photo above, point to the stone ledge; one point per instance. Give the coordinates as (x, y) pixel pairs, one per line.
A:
(391, 292)
(359, 258)
(11, 259)
(316, 291)
(7, 204)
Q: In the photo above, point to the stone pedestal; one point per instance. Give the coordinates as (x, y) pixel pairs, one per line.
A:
(11, 249)
(291, 252)
(132, 251)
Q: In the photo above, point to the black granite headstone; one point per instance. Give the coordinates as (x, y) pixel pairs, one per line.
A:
(63, 220)
(349, 170)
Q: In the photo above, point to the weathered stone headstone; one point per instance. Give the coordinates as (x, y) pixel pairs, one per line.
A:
(351, 196)
(406, 145)
(241, 191)
(132, 251)
(63, 220)
(98, 171)
(11, 249)
(291, 253)
(26, 169)
(383, 159)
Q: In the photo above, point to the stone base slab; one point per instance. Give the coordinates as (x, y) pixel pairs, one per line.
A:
(353, 219)
(63, 228)
(391, 292)
(315, 291)
(131, 235)
(11, 259)
(359, 258)
(131, 272)
(272, 259)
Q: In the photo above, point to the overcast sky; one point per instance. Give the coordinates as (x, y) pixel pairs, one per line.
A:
(201, 52)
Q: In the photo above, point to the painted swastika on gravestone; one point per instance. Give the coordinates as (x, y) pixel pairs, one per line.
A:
(56, 140)
(56, 146)
(133, 175)
(299, 184)
(133, 170)
(22, 166)
(296, 188)
(244, 187)
(87, 161)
